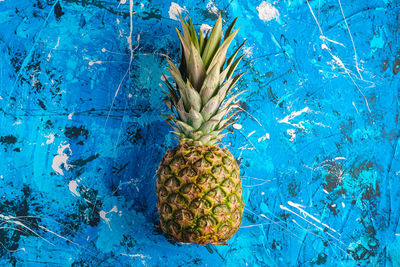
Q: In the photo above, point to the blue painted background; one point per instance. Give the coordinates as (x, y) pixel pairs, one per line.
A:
(81, 134)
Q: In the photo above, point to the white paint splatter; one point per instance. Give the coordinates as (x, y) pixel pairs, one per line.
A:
(50, 138)
(237, 126)
(264, 137)
(136, 255)
(54, 48)
(267, 12)
(174, 11)
(73, 186)
(61, 159)
(292, 133)
(91, 63)
(248, 51)
(212, 8)
(17, 123)
(306, 214)
(293, 115)
(324, 38)
(205, 28)
(103, 215)
(70, 115)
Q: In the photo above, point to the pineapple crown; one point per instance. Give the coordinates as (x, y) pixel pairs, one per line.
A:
(198, 101)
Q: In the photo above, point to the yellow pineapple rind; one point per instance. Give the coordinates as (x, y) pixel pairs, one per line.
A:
(199, 194)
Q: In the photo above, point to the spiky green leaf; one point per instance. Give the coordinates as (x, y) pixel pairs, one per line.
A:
(193, 35)
(209, 126)
(172, 92)
(205, 139)
(220, 55)
(195, 68)
(180, 109)
(185, 29)
(213, 42)
(201, 42)
(210, 84)
(185, 128)
(193, 96)
(233, 67)
(232, 57)
(231, 99)
(228, 31)
(186, 48)
(210, 108)
(195, 119)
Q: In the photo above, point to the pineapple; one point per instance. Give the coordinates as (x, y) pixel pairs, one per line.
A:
(198, 183)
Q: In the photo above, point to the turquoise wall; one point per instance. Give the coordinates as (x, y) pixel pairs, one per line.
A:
(81, 134)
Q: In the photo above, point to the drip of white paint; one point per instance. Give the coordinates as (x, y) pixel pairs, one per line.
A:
(17, 123)
(103, 215)
(267, 12)
(293, 115)
(354, 105)
(205, 28)
(73, 186)
(61, 159)
(50, 138)
(70, 115)
(174, 11)
(91, 63)
(54, 48)
(250, 134)
(237, 126)
(337, 158)
(324, 38)
(343, 205)
(306, 214)
(263, 138)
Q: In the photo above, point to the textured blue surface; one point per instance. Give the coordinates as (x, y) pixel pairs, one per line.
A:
(81, 134)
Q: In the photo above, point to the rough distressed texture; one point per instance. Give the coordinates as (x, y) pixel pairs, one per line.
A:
(199, 194)
(81, 134)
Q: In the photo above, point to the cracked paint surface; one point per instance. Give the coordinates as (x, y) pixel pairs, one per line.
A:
(81, 134)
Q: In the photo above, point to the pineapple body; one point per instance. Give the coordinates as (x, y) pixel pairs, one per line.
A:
(199, 194)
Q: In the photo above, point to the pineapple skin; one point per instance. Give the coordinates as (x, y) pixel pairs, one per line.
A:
(199, 194)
